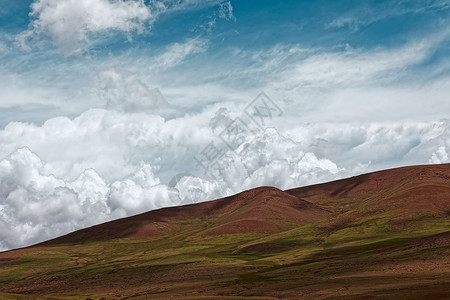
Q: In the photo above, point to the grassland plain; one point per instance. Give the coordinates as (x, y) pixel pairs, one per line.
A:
(383, 235)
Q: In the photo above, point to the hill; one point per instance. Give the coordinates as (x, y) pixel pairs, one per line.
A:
(248, 211)
(384, 234)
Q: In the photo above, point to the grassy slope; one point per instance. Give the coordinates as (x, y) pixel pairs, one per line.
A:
(366, 246)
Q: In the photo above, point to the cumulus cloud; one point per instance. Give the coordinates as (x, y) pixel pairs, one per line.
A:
(273, 159)
(69, 22)
(140, 192)
(36, 205)
(440, 156)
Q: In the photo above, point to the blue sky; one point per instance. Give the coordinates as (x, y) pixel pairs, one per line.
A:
(230, 45)
(104, 102)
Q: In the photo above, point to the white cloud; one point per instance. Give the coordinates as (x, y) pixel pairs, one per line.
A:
(295, 69)
(273, 159)
(36, 205)
(3, 47)
(440, 156)
(189, 4)
(112, 142)
(139, 193)
(178, 52)
(365, 15)
(352, 23)
(23, 38)
(350, 68)
(381, 84)
(226, 11)
(124, 91)
(70, 22)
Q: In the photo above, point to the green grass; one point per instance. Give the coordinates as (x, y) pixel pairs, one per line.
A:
(190, 259)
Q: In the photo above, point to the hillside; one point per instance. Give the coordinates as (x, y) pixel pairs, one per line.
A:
(384, 234)
(245, 212)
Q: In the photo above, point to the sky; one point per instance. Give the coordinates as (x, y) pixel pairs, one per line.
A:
(110, 108)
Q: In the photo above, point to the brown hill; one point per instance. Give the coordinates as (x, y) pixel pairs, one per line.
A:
(270, 210)
(264, 209)
(407, 189)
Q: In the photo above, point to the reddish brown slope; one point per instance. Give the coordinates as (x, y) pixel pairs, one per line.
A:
(416, 188)
(256, 210)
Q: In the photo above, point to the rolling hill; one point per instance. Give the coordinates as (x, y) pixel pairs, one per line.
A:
(384, 234)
